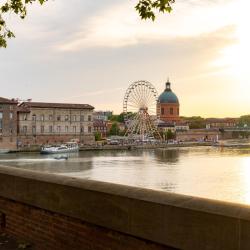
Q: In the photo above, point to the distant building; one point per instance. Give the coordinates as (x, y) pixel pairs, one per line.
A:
(198, 135)
(50, 123)
(168, 106)
(173, 126)
(101, 127)
(8, 123)
(218, 123)
(102, 115)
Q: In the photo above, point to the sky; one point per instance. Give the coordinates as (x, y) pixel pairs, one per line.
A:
(85, 51)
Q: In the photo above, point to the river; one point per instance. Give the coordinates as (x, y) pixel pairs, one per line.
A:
(215, 173)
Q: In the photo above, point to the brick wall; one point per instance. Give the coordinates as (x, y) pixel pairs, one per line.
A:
(47, 230)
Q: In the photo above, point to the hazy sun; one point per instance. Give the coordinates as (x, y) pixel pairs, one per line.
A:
(236, 57)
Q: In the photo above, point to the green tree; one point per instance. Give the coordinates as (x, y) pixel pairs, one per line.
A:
(244, 120)
(169, 135)
(98, 136)
(145, 8)
(148, 8)
(195, 122)
(114, 130)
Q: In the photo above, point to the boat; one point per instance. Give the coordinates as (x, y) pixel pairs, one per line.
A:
(4, 151)
(64, 148)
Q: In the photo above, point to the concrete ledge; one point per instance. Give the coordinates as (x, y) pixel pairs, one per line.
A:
(179, 221)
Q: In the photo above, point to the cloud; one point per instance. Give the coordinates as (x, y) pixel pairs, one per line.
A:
(119, 25)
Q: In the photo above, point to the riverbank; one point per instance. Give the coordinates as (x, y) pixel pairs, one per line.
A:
(37, 148)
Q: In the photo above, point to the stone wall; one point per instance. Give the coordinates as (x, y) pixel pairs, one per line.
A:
(8, 129)
(57, 212)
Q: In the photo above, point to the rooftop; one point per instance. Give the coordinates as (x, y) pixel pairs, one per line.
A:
(55, 105)
(8, 101)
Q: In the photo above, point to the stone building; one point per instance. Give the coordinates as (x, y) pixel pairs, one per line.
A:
(49, 123)
(8, 123)
(212, 123)
(100, 126)
(168, 106)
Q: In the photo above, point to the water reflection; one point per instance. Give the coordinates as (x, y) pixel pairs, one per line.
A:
(201, 171)
(170, 156)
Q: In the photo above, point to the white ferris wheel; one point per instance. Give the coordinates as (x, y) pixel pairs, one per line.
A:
(139, 108)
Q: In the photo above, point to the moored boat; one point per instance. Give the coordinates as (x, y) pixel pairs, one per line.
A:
(4, 151)
(64, 148)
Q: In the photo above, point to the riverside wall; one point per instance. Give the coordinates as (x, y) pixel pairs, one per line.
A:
(58, 212)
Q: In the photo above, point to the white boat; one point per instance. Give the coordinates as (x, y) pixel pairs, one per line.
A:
(64, 148)
(4, 151)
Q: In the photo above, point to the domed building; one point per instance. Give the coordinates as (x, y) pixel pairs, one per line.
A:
(168, 106)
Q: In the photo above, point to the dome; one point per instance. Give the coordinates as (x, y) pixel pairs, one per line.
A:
(168, 96)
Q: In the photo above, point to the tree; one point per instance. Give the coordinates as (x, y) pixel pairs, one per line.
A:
(145, 8)
(244, 120)
(98, 136)
(114, 130)
(195, 122)
(169, 135)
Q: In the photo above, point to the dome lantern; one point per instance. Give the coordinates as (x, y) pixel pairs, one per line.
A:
(168, 96)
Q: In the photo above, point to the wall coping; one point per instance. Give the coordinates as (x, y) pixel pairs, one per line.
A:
(162, 217)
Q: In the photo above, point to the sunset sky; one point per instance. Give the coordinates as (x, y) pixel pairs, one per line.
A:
(85, 51)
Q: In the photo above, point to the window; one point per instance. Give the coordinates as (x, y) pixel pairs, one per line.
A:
(42, 129)
(11, 115)
(51, 129)
(89, 129)
(171, 111)
(58, 118)
(74, 129)
(33, 117)
(66, 129)
(33, 130)
(50, 117)
(42, 118)
(24, 129)
(74, 118)
(162, 111)
(82, 118)
(89, 118)
(58, 129)
(178, 111)
(66, 117)
(82, 129)
(25, 117)
(1, 121)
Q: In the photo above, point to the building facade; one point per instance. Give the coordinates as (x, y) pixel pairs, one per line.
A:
(102, 115)
(168, 106)
(100, 126)
(219, 123)
(50, 123)
(8, 123)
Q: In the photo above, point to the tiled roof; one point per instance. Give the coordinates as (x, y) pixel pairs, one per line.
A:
(5, 100)
(55, 105)
(99, 123)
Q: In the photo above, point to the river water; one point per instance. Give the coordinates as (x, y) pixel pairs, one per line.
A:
(216, 173)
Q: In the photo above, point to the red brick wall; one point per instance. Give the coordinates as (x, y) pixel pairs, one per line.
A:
(51, 231)
(175, 117)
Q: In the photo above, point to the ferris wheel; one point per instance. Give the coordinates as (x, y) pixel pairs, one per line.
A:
(139, 108)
